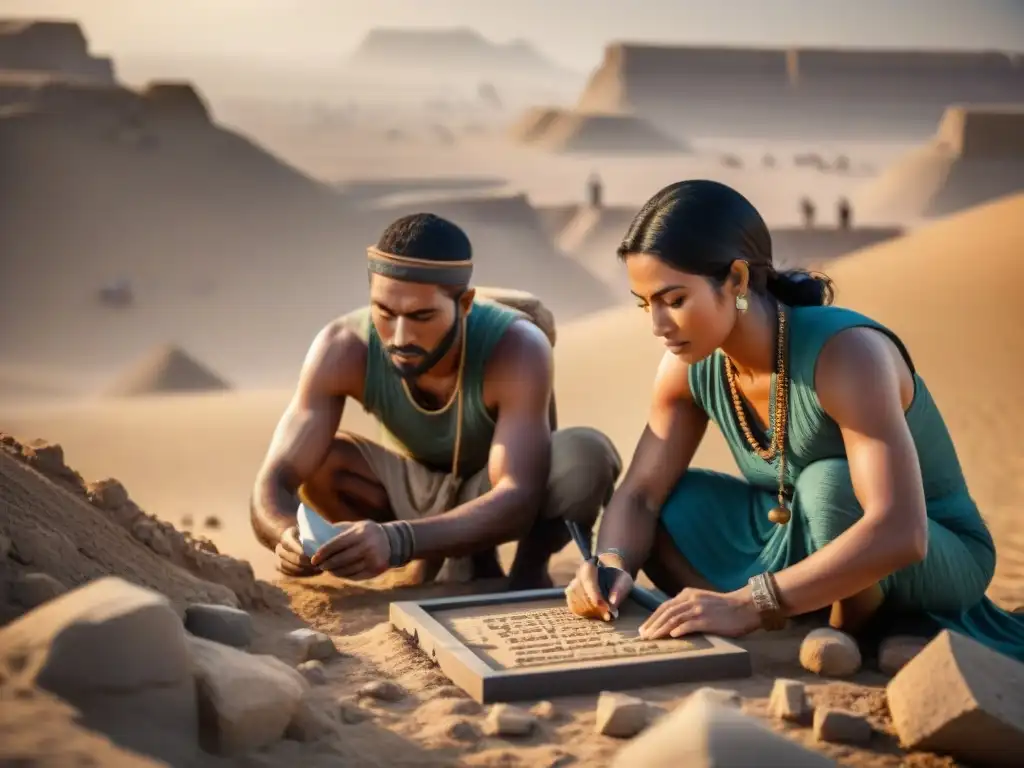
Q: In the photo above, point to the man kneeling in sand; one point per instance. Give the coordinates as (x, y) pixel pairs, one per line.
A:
(464, 387)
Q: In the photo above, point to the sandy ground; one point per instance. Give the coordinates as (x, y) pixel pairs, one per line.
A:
(946, 289)
(195, 455)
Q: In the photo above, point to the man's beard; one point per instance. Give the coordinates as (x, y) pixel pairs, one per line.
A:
(412, 371)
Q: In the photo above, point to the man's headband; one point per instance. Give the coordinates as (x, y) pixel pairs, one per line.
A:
(415, 270)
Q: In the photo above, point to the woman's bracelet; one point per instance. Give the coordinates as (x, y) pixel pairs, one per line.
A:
(766, 601)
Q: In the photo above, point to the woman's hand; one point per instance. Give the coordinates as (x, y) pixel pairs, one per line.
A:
(696, 610)
(584, 593)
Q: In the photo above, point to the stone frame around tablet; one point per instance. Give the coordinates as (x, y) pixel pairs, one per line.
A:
(485, 684)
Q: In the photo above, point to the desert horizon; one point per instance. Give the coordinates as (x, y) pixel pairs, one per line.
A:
(177, 226)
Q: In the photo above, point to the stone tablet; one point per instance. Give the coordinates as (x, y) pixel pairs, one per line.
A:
(528, 645)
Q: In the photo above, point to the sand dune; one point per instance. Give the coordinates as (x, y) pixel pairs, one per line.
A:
(977, 154)
(165, 369)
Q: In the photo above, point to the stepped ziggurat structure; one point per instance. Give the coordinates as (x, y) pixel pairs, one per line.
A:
(797, 92)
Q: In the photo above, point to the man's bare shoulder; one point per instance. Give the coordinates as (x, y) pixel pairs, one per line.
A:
(523, 355)
(336, 360)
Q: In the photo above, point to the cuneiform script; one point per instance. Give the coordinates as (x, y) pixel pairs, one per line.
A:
(555, 635)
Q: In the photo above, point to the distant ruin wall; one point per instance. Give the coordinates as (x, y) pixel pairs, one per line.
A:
(51, 46)
(983, 132)
(716, 86)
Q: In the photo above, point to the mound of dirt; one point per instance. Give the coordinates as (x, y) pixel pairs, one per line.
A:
(163, 370)
(58, 532)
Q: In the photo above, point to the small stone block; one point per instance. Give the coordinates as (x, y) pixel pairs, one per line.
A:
(620, 715)
(788, 701)
(507, 720)
(309, 644)
(839, 727)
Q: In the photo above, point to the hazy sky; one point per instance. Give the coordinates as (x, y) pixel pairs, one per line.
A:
(571, 31)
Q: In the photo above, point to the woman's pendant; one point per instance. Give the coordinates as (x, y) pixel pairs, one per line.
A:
(780, 515)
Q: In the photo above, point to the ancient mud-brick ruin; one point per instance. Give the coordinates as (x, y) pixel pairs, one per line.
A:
(695, 90)
(51, 46)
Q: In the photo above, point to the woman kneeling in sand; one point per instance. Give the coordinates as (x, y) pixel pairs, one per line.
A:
(852, 494)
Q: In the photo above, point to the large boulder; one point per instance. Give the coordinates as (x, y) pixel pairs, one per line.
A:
(118, 654)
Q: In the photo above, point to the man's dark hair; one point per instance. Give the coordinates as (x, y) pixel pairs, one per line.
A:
(426, 236)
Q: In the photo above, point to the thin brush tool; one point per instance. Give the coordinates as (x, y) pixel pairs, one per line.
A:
(606, 574)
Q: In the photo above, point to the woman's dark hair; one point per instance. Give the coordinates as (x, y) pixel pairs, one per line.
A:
(702, 227)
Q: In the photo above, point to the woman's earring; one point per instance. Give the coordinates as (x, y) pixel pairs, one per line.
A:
(741, 303)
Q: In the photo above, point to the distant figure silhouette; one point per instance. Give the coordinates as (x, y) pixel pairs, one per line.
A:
(845, 213)
(807, 209)
(595, 191)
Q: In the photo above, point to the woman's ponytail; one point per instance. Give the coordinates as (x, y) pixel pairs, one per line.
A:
(800, 288)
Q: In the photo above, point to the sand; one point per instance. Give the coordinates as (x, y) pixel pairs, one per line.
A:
(150, 444)
(239, 225)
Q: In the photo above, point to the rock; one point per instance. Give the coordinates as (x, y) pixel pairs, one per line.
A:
(307, 644)
(310, 722)
(33, 589)
(350, 713)
(5, 546)
(829, 653)
(702, 734)
(723, 696)
(960, 698)
(382, 690)
(108, 495)
(544, 710)
(894, 652)
(788, 701)
(620, 715)
(313, 671)
(507, 720)
(840, 727)
(448, 692)
(220, 623)
(455, 728)
(212, 522)
(117, 653)
(246, 702)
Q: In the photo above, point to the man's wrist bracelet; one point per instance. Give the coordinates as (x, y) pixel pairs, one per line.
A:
(615, 552)
(402, 540)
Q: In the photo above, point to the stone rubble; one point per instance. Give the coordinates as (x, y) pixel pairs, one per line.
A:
(313, 671)
(788, 701)
(703, 734)
(508, 720)
(620, 715)
(382, 690)
(830, 653)
(840, 727)
(960, 698)
(250, 700)
(895, 652)
(220, 623)
(309, 645)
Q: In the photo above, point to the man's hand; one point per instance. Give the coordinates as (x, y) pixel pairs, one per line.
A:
(361, 551)
(291, 560)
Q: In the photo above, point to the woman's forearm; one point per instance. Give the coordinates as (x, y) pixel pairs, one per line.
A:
(628, 525)
(857, 559)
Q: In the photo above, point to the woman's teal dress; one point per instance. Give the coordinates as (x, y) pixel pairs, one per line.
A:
(720, 523)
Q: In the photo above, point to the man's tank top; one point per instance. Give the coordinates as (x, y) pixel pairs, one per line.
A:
(429, 436)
